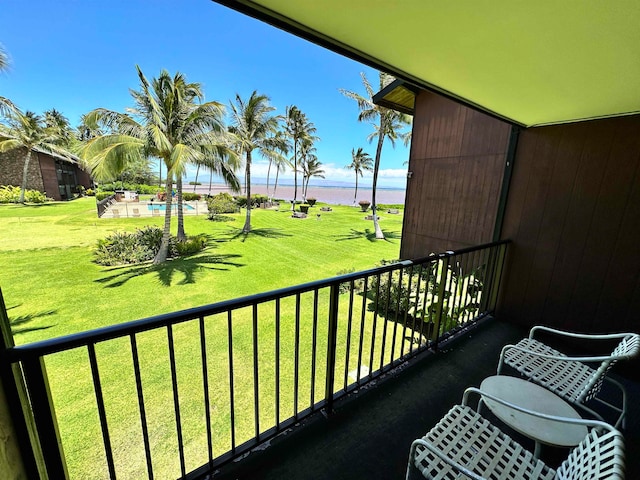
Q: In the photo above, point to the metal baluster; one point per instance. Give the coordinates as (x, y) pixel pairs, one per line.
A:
(348, 346)
(176, 398)
(97, 387)
(143, 415)
(205, 388)
(232, 410)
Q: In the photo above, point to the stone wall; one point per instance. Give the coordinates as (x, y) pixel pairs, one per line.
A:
(11, 165)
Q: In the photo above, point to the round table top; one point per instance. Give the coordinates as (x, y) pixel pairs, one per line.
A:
(533, 397)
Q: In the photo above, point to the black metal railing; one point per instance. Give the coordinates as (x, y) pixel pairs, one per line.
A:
(176, 395)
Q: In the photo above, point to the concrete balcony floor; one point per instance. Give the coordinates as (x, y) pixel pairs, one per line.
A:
(369, 434)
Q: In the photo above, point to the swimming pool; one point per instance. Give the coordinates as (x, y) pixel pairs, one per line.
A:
(163, 207)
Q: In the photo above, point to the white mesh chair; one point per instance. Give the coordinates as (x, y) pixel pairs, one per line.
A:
(465, 445)
(572, 378)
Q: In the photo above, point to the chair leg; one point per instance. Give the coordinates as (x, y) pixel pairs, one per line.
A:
(622, 420)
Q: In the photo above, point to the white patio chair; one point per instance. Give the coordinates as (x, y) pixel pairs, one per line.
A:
(571, 377)
(466, 445)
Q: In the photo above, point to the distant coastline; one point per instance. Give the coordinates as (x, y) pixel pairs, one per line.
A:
(333, 194)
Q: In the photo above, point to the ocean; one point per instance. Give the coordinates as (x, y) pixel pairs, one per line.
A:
(336, 195)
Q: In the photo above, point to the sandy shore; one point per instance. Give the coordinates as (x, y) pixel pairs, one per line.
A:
(333, 195)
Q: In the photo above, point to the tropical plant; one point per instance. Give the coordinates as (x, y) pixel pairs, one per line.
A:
(280, 146)
(389, 125)
(11, 194)
(310, 168)
(360, 161)
(28, 130)
(4, 59)
(253, 125)
(59, 125)
(298, 128)
(168, 123)
(5, 104)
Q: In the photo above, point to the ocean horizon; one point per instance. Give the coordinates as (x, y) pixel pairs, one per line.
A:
(326, 193)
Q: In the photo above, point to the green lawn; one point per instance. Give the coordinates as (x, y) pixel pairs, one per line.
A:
(51, 288)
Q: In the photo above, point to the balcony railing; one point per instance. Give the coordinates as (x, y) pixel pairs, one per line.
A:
(177, 395)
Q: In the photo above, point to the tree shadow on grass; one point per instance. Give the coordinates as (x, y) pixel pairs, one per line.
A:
(19, 322)
(368, 234)
(166, 272)
(235, 233)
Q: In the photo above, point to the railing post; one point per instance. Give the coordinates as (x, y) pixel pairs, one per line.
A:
(441, 291)
(17, 407)
(497, 276)
(334, 298)
(35, 374)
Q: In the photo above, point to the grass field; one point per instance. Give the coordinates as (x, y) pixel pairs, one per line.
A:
(51, 288)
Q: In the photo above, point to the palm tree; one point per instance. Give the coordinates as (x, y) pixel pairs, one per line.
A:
(4, 59)
(166, 123)
(28, 130)
(59, 124)
(389, 124)
(311, 168)
(360, 161)
(253, 125)
(6, 106)
(280, 146)
(297, 127)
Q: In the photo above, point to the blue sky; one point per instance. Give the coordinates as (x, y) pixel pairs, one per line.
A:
(77, 55)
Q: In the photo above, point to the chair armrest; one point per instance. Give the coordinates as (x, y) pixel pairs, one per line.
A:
(587, 336)
(564, 358)
(444, 458)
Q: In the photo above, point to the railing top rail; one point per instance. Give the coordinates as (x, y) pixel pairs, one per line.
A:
(81, 339)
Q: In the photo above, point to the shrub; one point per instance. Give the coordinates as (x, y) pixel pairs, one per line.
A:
(258, 199)
(221, 203)
(90, 192)
(195, 183)
(11, 194)
(416, 297)
(191, 245)
(122, 248)
(102, 195)
(358, 285)
(189, 196)
(34, 196)
(141, 188)
(241, 200)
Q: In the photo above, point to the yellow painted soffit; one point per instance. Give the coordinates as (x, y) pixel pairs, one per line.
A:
(532, 62)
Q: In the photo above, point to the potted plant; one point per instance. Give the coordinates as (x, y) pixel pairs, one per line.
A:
(304, 208)
(311, 201)
(364, 204)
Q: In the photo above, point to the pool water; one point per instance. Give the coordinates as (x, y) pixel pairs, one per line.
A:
(163, 207)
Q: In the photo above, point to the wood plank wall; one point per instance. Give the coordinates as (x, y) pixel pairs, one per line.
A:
(573, 215)
(457, 163)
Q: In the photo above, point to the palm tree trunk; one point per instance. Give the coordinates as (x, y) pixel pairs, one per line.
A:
(162, 254)
(247, 224)
(210, 180)
(374, 207)
(268, 172)
(25, 172)
(275, 185)
(195, 183)
(295, 176)
(355, 195)
(181, 235)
